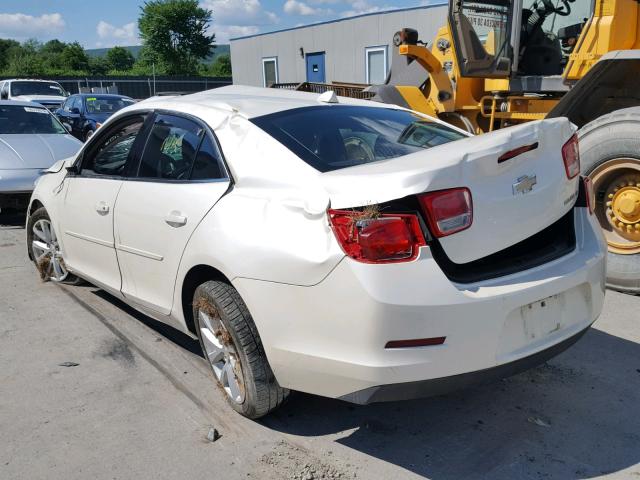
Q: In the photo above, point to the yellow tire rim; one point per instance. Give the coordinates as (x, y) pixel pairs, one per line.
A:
(617, 187)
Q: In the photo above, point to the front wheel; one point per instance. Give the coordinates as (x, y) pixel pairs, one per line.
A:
(610, 156)
(88, 135)
(233, 349)
(45, 249)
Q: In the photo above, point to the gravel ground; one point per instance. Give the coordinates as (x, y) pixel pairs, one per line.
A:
(140, 403)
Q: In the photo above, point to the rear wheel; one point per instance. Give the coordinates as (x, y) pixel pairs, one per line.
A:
(610, 155)
(232, 346)
(45, 249)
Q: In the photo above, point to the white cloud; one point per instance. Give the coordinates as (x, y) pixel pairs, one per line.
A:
(295, 7)
(239, 12)
(111, 35)
(360, 7)
(19, 25)
(225, 32)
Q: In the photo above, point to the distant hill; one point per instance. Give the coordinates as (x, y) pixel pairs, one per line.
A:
(222, 49)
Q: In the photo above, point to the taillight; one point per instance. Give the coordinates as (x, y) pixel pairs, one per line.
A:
(448, 211)
(386, 238)
(571, 157)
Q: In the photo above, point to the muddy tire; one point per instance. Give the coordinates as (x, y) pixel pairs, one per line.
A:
(45, 251)
(233, 349)
(610, 155)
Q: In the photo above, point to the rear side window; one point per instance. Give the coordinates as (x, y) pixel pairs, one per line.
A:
(171, 148)
(334, 137)
(208, 164)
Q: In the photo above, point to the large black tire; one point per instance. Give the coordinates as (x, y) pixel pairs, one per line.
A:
(262, 394)
(614, 136)
(41, 214)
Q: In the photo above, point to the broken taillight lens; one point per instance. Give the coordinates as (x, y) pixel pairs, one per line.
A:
(448, 211)
(386, 238)
(571, 157)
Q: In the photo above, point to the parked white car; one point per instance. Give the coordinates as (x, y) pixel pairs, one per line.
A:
(47, 93)
(352, 250)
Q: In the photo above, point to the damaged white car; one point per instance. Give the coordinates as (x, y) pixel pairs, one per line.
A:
(333, 246)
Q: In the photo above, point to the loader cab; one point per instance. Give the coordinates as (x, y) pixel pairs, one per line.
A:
(517, 38)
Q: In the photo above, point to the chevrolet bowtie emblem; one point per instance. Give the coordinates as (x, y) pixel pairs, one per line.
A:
(524, 184)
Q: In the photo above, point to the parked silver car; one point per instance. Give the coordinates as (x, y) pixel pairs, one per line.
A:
(31, 140)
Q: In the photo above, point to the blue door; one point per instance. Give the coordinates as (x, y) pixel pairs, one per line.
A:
(315, 67)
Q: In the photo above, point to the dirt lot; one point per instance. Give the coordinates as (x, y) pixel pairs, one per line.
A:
(141, 402)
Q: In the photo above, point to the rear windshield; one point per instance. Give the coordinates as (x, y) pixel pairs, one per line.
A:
(333, 137)
(15, 119)
(99, 104)
(37, 88)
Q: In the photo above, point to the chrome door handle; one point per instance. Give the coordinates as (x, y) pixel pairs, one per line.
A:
(175, 219)
(102, 208)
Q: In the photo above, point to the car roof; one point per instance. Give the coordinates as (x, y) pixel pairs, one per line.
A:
(249, 102)
(28, 80)
(21, 103)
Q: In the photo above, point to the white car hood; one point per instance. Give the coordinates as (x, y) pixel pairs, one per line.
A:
(40, 98)
(35, 151)
(501, 218)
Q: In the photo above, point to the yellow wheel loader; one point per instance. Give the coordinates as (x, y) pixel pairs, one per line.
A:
(502, 62)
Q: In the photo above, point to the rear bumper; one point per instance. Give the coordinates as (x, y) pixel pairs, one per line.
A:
(329, 339)
(440, 386)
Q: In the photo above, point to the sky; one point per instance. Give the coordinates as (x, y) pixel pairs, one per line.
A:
(106, 23)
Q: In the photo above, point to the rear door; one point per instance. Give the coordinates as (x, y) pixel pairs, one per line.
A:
(86, 218)
(180, 178)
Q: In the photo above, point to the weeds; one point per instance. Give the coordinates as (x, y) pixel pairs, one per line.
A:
(44, 267)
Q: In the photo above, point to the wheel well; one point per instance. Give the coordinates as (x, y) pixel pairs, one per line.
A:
(195, 277)
(35, 205)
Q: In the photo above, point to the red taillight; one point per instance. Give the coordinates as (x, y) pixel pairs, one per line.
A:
(448, 211)
(386, 238)
(571, 157)
(588, 191)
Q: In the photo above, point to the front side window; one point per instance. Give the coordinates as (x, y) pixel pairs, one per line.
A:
(330, 138)
(17, 119)
(36, 88)
(111, 153)
(376, 58)
(171, 148)
(269, 71)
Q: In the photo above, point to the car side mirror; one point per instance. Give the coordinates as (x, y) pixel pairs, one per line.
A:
(75, 110)
(73, 169)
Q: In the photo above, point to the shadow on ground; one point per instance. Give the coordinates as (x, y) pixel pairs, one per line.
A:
(181, 339)
(575, 417)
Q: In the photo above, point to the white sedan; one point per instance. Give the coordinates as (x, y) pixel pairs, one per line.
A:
(333, 246)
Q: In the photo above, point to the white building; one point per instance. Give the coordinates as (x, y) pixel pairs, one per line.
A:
(352, 50)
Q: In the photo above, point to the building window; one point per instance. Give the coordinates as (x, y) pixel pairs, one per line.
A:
(269, 71)
(376, 68)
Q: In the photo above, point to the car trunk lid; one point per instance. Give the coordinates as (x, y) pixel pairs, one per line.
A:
(512, 199)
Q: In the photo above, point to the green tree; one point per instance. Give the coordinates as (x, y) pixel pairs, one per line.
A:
(120, 59)
(221, 67)
(174, 33)
(25, 60)
(7, 48)
(99, 66)
(75, 58)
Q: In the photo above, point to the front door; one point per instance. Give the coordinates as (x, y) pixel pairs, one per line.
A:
(180, 178)
(315, 67)
(86, 219)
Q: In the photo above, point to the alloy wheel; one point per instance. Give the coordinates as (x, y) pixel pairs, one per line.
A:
(223, 356)
(46, 252)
